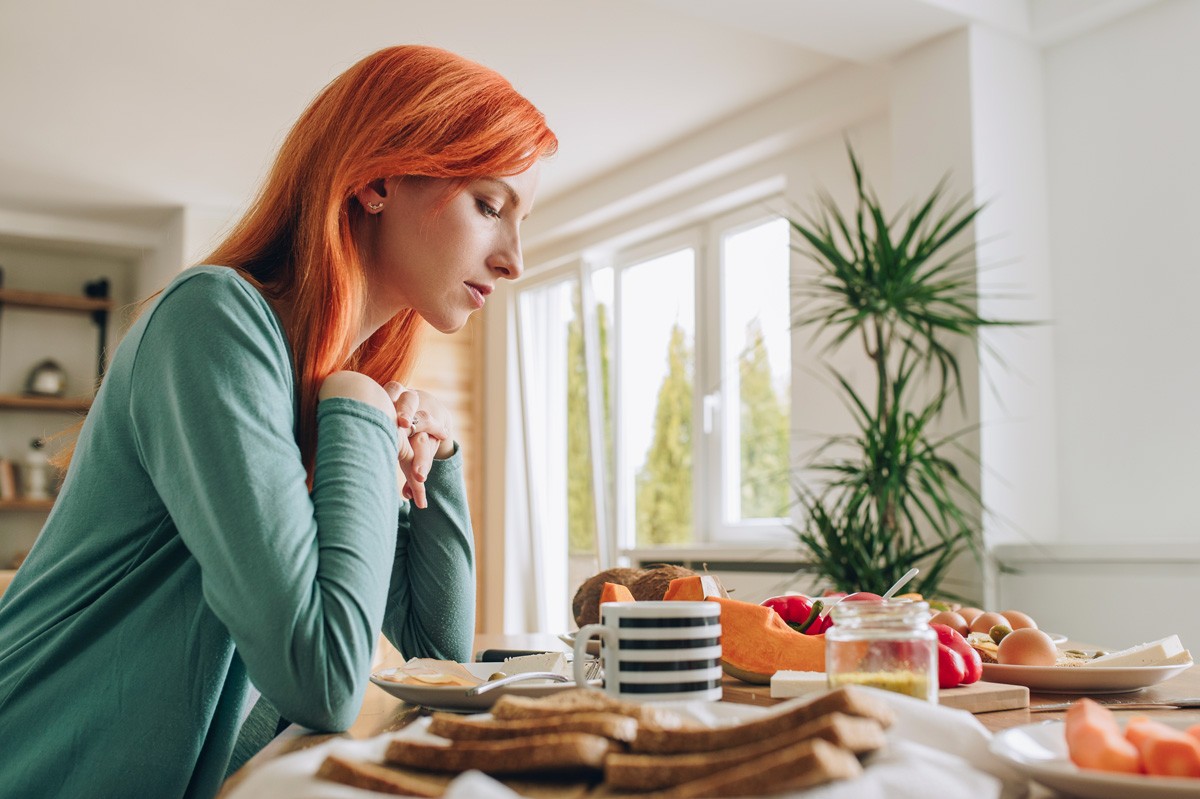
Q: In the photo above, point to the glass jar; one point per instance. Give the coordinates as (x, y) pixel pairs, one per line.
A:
(883, 644)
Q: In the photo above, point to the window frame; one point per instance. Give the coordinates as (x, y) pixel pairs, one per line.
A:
(624, 527)
(616, 509)
(720, 451)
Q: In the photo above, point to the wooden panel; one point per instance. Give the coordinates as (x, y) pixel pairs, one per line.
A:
(451, 368)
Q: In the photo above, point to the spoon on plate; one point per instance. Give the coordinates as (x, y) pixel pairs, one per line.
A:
(888, 594)
(484, 687)
(591, 672)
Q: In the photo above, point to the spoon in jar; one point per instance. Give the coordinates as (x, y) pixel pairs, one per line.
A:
(903, 581)
(888, 594)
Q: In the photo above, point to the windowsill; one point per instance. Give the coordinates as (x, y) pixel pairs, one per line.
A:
(719, 552)
(1163, 552)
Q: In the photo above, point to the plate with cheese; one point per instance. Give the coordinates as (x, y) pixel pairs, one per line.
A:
(1086, 673)
(443, 684)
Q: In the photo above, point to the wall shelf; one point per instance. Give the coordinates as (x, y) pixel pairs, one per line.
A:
(60, 302)
(31, 403)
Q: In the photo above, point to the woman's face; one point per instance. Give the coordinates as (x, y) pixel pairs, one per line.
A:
(442, 264)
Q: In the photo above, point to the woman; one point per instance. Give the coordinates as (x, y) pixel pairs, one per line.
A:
(232, 516)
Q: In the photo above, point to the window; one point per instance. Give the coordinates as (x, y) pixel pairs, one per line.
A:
(656, 387)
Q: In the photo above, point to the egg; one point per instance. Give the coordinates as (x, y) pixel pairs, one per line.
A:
(986, 621)
(969, 613)
(1018, 620)
(1027, 647)
(952, 620)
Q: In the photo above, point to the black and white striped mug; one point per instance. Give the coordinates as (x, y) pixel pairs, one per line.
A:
(656, 651)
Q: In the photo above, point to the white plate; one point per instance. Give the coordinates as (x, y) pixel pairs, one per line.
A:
(1081, 679)
(454, 697)
(1057, 638)
(1040, 752)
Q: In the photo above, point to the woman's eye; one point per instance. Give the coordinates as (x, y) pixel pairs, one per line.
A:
(486, 209)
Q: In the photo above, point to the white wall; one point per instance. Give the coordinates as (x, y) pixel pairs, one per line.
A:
(1088, 153)
(1122, 126)
(1123, 133)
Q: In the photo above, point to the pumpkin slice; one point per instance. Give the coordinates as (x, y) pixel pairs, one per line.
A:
(615, 592)
(756, 642)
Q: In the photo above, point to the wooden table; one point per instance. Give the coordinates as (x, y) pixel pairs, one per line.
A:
(382, 712)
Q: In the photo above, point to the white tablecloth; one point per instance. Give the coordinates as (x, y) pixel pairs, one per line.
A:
(932, 752)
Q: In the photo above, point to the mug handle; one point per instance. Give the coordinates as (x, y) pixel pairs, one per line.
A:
(585, 634)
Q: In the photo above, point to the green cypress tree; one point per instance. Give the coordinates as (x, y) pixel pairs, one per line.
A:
(581, 516)
(764, 432)
(664, 483)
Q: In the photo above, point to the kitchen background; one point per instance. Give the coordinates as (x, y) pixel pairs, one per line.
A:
(132, 136)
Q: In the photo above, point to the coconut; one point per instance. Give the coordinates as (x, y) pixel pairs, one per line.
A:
(586, 605)
(652, 584)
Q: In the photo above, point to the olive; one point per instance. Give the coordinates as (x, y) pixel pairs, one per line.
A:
(498, 675)
(998, 632)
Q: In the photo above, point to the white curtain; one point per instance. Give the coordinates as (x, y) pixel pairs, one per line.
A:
(536, 584)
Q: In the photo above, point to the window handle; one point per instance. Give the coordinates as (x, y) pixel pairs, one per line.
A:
(712, 406)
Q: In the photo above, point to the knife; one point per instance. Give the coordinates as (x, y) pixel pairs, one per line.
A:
(498, 655)
(1190, 702)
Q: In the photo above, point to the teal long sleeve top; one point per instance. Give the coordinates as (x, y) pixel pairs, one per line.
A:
(186, 558)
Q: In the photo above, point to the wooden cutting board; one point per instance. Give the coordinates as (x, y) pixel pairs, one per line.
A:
(979, 697)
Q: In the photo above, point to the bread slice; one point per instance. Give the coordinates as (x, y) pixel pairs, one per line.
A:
(642, 772)
(800, 765)
(608, 725)
(847, 699)
(381, 779)
(574, 701)
(552, 753)
(398, 781)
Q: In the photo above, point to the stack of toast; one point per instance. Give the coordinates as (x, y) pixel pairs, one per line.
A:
(582, 742)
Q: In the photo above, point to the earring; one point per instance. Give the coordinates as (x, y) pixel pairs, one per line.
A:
(375, 207)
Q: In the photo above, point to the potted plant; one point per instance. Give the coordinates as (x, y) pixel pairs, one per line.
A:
(888, 496)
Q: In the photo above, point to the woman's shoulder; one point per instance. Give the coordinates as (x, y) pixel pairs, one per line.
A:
(210, 280)
(209, 304)
(206, 291)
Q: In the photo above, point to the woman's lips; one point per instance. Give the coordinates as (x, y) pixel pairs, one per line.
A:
(478, 294)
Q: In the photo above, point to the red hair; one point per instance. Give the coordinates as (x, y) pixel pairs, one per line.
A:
(408, 110)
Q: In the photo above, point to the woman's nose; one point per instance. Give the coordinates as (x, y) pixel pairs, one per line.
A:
(507, 261)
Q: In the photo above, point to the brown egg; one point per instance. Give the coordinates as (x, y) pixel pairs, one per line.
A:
(986, 621)
(1018, 620)
(952, 620)
(969, 613)
(1027, 647)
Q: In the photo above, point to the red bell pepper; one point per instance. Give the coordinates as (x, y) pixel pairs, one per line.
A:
(953, 639)
(800, 613)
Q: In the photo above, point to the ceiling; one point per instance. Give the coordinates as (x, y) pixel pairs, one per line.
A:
(124, 110)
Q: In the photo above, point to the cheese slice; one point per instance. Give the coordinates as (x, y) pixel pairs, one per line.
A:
(787, 683)
(549, 661)
(1167, 651)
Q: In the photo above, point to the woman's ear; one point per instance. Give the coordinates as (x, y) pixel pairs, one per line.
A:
(373, 195)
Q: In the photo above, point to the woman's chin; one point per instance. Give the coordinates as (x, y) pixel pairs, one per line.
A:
(449, 323)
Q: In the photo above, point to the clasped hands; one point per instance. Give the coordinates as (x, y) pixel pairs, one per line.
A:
(427, 424)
